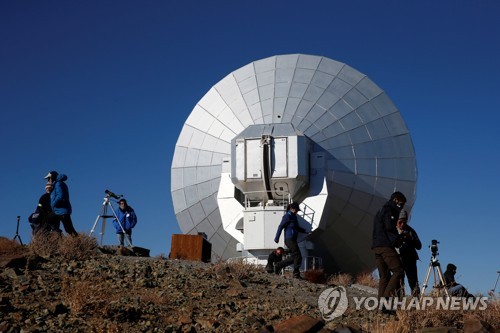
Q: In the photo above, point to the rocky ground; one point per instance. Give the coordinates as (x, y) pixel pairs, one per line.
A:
(113, 293)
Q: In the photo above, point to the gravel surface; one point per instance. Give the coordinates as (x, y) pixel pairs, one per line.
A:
(108, 293)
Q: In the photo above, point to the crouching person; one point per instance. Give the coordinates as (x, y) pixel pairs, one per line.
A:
(39, 219)
(274, 257)
(454, 288)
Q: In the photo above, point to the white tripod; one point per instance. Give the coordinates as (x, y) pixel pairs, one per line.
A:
(103, 214)
(435, 267)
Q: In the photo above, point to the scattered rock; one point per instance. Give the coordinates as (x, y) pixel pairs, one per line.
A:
(438, 330)
(299, 324)
(108, 293)
(473, 324)
(13, 261)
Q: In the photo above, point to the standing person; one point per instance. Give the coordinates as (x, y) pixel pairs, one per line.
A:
(126, 221)
(60, 204)
(291, 225)
(454, 288)
(38, 219)
(385, 235)
(274, 257)
(407, 246)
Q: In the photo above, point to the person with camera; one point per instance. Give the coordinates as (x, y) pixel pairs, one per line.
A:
(454, 288)
(274, 257)
(384, 240)
(60, 204)
(407, 245)
(125, 223)
(38, 219)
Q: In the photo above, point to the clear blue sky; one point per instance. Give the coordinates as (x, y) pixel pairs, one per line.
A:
(99, 90)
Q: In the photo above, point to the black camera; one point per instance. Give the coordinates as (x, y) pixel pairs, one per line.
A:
(112, 195)
(434, 247)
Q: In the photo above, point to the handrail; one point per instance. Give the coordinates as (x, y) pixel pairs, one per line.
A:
(310, 262)
(307, 213)
(264, 199)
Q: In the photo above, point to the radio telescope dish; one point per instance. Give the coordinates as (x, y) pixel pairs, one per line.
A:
(335, 143)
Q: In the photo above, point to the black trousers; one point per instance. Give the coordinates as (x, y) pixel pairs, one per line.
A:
(40, 228)
(295, 257)
(410, 268)
(54, 222)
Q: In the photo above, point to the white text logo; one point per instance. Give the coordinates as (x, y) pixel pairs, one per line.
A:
(413, 303)
(332, 302)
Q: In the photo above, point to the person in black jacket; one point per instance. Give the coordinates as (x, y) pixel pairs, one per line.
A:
(407, 246)
(385, 235)
(274, 257)
(39, 219)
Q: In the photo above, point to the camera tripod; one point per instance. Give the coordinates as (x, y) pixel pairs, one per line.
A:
(434, 265)
(17, 231)
(103, 215)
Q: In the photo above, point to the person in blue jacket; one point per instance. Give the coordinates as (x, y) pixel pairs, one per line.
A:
(60, 203)
(291, 226)
(125, 223)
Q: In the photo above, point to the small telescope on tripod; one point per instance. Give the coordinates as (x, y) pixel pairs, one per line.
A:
(112, 195)
(435, 267)
(103, 214)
